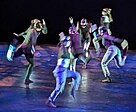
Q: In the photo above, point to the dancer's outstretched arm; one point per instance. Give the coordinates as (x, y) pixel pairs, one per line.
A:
(44, 29)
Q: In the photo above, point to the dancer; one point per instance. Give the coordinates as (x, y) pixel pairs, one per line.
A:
(76, 46)
(106, 19)
(27, 46)
(85, 29)
(61, 72)
(113, 52)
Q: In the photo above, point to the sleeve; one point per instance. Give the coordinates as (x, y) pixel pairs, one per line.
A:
(112, 38)
(74, 27)
(77, 27)
(110, 18)
(25, 32)
(44, 30)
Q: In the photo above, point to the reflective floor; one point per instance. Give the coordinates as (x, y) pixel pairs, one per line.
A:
(92, 96)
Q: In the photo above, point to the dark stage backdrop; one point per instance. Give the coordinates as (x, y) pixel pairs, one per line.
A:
(15, 16)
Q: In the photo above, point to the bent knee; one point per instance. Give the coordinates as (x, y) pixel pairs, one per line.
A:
(103, 64)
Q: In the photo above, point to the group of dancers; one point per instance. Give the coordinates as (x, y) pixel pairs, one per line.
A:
(72, 47)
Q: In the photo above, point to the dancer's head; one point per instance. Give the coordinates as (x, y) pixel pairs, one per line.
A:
(65, 40)
(102, 30)
(37, 25)
(83, 22)
(106, 11)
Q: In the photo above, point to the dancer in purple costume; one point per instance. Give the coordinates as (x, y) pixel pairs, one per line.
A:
(112, 52)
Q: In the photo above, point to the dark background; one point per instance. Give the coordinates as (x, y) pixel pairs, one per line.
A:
(15, 16)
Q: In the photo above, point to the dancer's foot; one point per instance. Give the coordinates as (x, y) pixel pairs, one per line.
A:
(50, 103)
(107, 80)
(28, 81)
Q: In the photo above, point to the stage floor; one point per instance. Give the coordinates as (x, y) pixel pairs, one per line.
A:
(92, 96)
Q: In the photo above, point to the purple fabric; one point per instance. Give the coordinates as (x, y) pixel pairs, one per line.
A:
(76, 43)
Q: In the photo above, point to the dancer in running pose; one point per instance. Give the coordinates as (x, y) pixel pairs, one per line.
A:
(27, 46)
(61, 72)
(112, 52)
